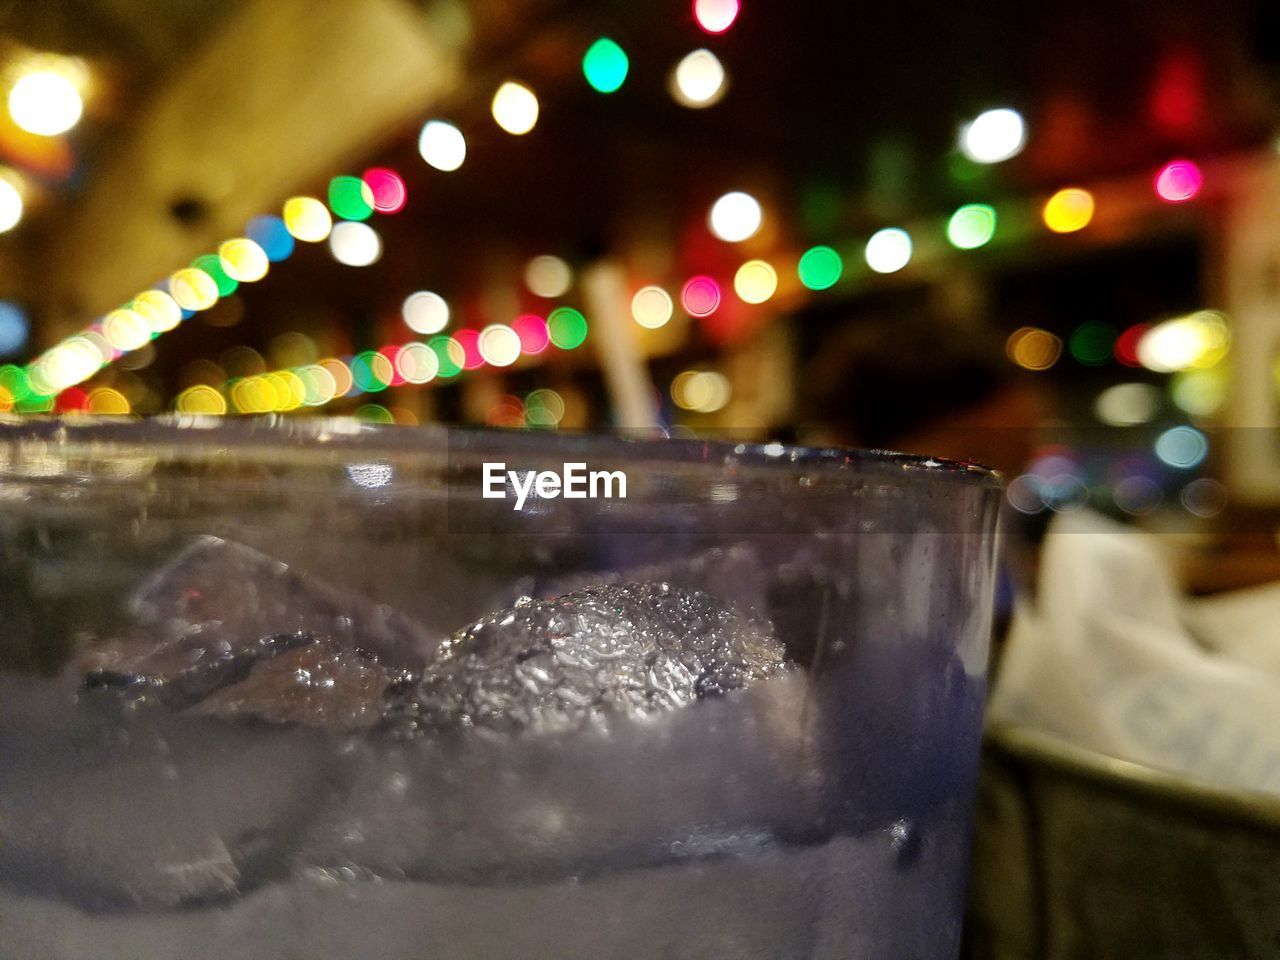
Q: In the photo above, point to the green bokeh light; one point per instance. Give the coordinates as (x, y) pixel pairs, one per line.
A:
(13, 380)
(449, 353)
(364, 371)
(211, 264)
(820, 268)
(605, 65)
(567, 327)
(1092, 343)
(971, 226)
(374, 413)
(350, 198)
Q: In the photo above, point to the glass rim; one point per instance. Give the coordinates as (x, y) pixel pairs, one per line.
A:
(197, 437)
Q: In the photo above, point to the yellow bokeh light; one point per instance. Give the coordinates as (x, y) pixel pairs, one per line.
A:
(702, 391)
(6, 399)
(193, 289)
(126, 330)
(47, 100)
(1068, 210)
(306, 218)
(652, 307)
(1033, 349)
(159, 309)
(243, 260)
(755, 282)
(108, 402)
(1199, 340)
(515, 108)
(11, 202)
(201, 399)
(291, 392)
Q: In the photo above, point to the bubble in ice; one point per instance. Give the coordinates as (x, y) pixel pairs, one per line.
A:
(548, 666)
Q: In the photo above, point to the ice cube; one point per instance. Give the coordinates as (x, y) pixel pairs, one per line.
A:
(547, 666)
(220, 592)
(319, 685)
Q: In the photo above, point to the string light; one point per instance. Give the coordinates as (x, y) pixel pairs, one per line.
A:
(820, 268)
(1068, 210)
(306, 218)
(442, 145)
(605, 66)
(755, 282)
(888, 250)
(993, 136)
(971, 226)
(699, 80)
(715, 16)
(355, 244)
(700, 296)
(11, 204)
(548, 277)
(515, 108)
(735, 217)
(1178, 181)
(45, 102)
(425, 312)
(651, 307)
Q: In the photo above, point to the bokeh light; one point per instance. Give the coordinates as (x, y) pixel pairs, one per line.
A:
(715, 16)
(993, 136)
(449, 354)
(387, 188)
(1127, 344)
(1033, 349)
(1178, 181)
(442, 145)
(651, 307)
(1182, 447)
(1127, 404)
(755, 281)
(533, 334)
(425, 312)
(702, 391)
(14, 328)
(355, 244)
(270, 233)
(371, 371)
(343, 382)
(350, 198)
(292, 349)
(515, 108)
(417, 363)
(605, 66)
(374, 413)
(159, 309)
(888, 250)
(306, 218)
(567, 328)
(243, 260)
(735, 217)
(1201, 339)
(126, 330)
(699, 80)
(193, 289)
(469, 341)
(543, 408)
(1068, 210)
(319, 385)
(820, 268)
(499, 345)
(700, 296)
(1092, 343)
(201, 399)
(211, 264)
(548, 277)
(1137, 495)
(1204, 497)
(45, 102)
(11, 204)
(1200, 393)
(971, 226)
(105, 401)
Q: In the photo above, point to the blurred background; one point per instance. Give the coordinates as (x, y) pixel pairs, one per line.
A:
(1046, 239)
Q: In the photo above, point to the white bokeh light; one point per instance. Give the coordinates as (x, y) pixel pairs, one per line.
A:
(515, 108)
(699, 80)
(425, 312)
(10, 205)
(355, 244)
(735, 217)
(993, 136)
(888, 250)
(46, 103)
(442, 145)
